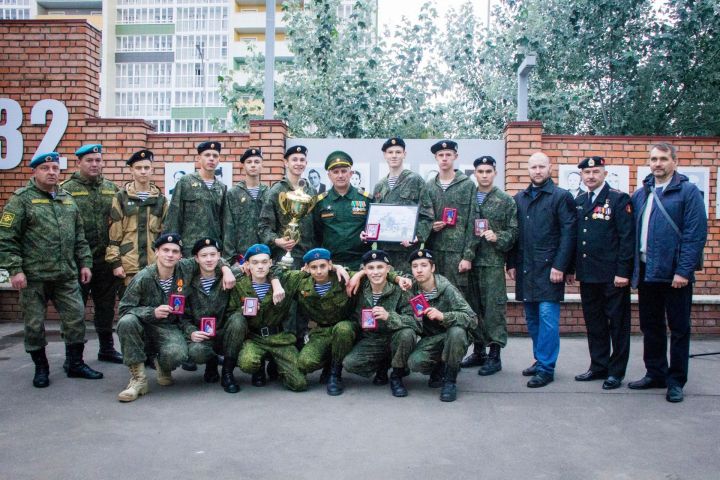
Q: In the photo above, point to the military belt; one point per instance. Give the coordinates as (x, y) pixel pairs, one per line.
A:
(267, 331)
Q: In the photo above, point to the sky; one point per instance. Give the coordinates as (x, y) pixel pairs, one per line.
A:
(390, 12)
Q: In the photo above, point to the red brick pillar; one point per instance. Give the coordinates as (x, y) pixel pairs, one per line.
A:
(270, 136)
(522, 139)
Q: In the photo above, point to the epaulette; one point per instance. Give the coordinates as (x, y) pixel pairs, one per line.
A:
(22, 190)
(322, 196)
(366, 194)
(616, 190)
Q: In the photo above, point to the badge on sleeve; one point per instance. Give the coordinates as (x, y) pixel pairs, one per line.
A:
(7, 219)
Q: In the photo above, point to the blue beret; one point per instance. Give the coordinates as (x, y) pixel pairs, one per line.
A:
(484, 160)
(41, 158)
(421, 253)
(375, 256)
(205, 242)
(168, 238)
(257, 249)
(251, 152)
(139, 156)
(295, 149)
(393, 142)
(592, 162)
(444, 145)
(85, 149)
(217, 146)
(316, 254)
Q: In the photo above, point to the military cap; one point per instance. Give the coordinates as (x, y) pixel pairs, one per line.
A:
(296, 149)
(393, 142)
(139, 156)
(444, 145)
(90, 148)
(168, 238)
(316, 254)
(205, 242)
(375, 256)
(257, 249)
(592, 162)
(251, 152)
(421, 253)
(484, 160)
(41, 158)
(338, 159)
(217, 146)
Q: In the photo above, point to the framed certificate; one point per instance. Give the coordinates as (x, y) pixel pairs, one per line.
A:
(207, 325)
(367, 321)
(250, 307)
(395, 223)
(177, 303)
(419, 305)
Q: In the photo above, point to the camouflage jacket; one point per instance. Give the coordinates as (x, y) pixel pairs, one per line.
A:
(196, 210)
(240, 224)
(94, 199)
(134, 226)
(333, 307)
(451, 303)
(268, 315)
(200, 304)
(500, 211)
(43, 237)
(397, 304)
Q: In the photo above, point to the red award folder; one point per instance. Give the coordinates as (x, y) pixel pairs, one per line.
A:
(250, 307)
(367, 321)
(481, 224)
(419, 305)
(207, 325)
(449, 216)
(177, 303)
(373, 231)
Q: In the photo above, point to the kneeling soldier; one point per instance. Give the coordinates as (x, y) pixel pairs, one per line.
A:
(445, 326)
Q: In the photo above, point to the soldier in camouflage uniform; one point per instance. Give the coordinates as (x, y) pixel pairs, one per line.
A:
(488, 295)
(445, 326)
(93, 195)
(42, 245)
(264, 321)
(390, 330)
(243, 203)
(196, 208)
(453, 243)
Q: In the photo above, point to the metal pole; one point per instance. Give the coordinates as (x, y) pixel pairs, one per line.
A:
(269, 91)
(522, 95)
(201, 52)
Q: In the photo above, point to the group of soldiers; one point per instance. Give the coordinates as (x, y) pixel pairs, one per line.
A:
(200, 282)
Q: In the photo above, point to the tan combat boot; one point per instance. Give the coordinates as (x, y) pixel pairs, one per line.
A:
(164, 377)
(138, 384)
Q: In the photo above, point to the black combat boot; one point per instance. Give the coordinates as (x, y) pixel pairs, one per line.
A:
(42, 369)
(396, 383)
(448, 393)
(107, 352)
(228, 381)
(189, 366)
(477, 358)
(381, 375)
(211, 370)
(258, 378)
(436, 376)
(493, 363)
(77, 368)
(66, 363)
(325, 374)
(272, 370)
(150, 360)
(335, 384)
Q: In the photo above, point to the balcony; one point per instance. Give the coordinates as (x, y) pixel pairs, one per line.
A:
(254, 22)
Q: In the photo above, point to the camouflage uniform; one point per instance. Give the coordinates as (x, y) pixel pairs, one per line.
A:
(445, 341)
(394, 338)
(488, 294)
(408, 191)
(266, 335)
(94, 198)
(44, 238)
(453, 243)
(240, 225)
(196, 211)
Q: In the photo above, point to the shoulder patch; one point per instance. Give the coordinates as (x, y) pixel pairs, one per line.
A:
(7, 219)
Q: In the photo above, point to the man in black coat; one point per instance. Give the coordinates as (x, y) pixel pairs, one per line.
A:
(604, 265)
(543, 255)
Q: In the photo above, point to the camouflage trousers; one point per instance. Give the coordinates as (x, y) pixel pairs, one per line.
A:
(446, 264)
(166, 338)
(373, 350)
(326, 343)
(281, 347)
(488, 297)
(66, 297)
(449, 347)
(228, 341)
(103, 289)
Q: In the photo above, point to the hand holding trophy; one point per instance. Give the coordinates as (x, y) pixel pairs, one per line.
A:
(296, 204)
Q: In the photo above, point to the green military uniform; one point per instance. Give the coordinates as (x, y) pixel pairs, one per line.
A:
(273, 221)
(453, 243)
(240, 225)
(447, 340)
(195, 210)
(339, 219)
(408, 190)
(266, 335)
(94, 199)
(487, 293)
(43, 237)
(394, 338)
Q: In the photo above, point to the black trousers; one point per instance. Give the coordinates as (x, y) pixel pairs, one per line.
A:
(606, 309)
(103, 288)
(658, 302)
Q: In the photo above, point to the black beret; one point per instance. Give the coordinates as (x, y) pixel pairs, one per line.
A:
(484, 160)
(251, 152)
(375, 256)
(140, 155)
(444, 145)
(205, 242)
(592, 162)
(217, 146)
(421, 253)
(393, 142)
(168, 238)
(296, 149)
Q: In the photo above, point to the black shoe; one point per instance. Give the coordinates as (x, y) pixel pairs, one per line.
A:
(493, 363)
(211, 371)
(530, 371)
(448, 393)
(437, 376)
(258, 378)
(150, 360)
(540, 379)
(325, 374)
(42, 369)
(228, 382)
(335, 385)
(272, 370)
(77, 368)
(612, 383)
(674, 394)
(396, 384)
(381, 377)
(107, 352)
(475, 359)
(189, 366)
(66, 363)
(646, 383)
(590, 375)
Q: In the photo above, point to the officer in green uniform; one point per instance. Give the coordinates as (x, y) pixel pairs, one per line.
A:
(196, 208)
(497, 233)
(242, 208)
(93, 195)
(43, 247)
(341, 213)
(253, 303)
(445, 325)
(388, 326)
